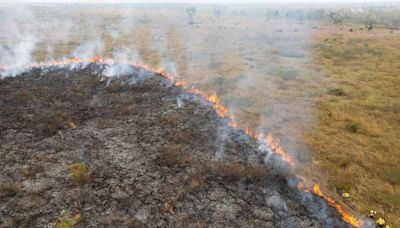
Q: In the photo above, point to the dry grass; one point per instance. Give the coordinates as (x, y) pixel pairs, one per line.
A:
(236, 171)
(173, 156)
(8, 189)
(67, 220)
(59, 122)
(357, 137)
(79, 173)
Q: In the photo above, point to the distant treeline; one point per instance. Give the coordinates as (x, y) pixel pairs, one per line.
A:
(370, 16)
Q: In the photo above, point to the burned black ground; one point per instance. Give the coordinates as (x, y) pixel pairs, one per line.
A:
(158, 157)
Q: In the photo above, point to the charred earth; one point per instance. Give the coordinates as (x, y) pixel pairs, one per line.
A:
(81, 149)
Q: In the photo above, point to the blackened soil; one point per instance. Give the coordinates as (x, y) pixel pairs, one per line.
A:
(158, 157)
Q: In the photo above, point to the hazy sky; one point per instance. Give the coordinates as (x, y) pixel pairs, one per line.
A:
(198, 1)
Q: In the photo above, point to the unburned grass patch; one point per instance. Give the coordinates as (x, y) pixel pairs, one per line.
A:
(79, 173)
(355, 140)
(353, 127)
(336, 92)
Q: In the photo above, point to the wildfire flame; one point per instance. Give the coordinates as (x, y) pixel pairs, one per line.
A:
(279, 150)
(221, 111)
(346, 217)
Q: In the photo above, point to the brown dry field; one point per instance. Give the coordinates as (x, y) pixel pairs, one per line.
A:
(355, 142)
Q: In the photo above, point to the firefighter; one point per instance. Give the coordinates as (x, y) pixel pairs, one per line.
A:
(380, 222)
(372, 213)
(345, 195)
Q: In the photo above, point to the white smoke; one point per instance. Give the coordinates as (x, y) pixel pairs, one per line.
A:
(89, 49)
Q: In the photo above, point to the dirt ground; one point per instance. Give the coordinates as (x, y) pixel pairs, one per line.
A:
(79, 148)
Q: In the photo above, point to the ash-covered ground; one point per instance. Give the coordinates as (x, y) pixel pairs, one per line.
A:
(157, 157)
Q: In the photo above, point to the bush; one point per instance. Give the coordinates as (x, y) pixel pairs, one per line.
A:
(336, 92)
(79, 173)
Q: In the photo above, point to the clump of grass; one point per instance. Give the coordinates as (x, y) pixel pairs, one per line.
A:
(336, 92)
(66, 220)
(352, 126)
(343, 187)
(55, 123)
(173, 156)
(58, 122)
(8, 190)
(79, 173)
(170, 204)
(392, 176)
(229, 172)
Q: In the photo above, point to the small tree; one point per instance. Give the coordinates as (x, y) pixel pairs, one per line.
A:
(217, 12)
(336, 18)
(369, 24)
(191, 12)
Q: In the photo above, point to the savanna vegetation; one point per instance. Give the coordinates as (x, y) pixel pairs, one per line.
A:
(355, 142)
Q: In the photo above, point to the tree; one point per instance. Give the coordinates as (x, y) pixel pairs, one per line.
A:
(276, 13)
(336, 18)
(191, 11)
(217, 12)
(369, 24)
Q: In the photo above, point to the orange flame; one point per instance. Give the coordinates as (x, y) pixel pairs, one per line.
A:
(346, 217)
(279, 150)
(250, 133)
(221, 111)
(232, 123)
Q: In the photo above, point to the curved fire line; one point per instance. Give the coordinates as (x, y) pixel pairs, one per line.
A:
(221, 111)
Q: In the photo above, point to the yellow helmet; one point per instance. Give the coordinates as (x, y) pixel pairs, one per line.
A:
(372, 213)
(380, 221)
(346, 195)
